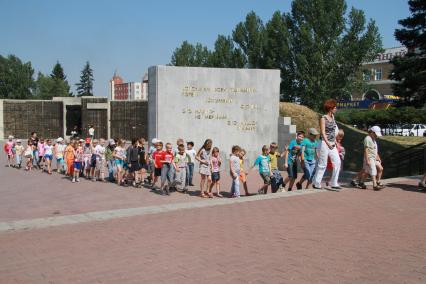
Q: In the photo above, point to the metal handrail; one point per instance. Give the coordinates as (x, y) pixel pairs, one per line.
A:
(407, 149)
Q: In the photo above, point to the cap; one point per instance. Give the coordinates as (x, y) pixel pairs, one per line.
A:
(87, 140)
(10, 136)
(313, 131)
(60, 139)
(154, 141)
(81, 140)
(376, 130)
(18, 141)
(111, 142)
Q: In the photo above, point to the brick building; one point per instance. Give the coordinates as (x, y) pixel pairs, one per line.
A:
(378, 75)
(121, 91)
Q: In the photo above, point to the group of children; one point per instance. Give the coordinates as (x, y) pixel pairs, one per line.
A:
(173, 167)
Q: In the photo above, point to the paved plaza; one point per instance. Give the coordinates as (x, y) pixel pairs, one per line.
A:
(53, 231)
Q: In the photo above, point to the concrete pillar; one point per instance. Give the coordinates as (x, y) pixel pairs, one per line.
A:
(109, 120)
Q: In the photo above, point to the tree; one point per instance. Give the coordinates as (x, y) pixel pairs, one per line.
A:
(85, 86)
(410, 70)
(226, 55)
(58, 72)
(61, 88)
(327, 50)
(250, 37)
(16, 78)
(190, 55)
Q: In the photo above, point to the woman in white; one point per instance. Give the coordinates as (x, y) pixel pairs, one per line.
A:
(328, 147)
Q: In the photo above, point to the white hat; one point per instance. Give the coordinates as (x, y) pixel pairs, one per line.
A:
(111, 142)
(154, 140)
(18, 141)
(60, 139)
(10, 136)
(376, 130)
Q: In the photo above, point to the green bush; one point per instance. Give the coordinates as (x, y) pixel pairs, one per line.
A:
(381, 116)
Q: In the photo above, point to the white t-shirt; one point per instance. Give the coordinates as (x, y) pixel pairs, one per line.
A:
(60, 148)
(191, 153)
(91, 131)
(48, 149)
(100, 152)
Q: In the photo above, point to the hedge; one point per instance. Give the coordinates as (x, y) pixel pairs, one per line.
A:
(381, 116)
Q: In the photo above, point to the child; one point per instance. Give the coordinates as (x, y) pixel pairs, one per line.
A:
(28, 154)
(69, 158)
(19, 150)
(143, 157)
(372, 161)
(181, 162)
(156, 157)
(340, 151)
(215, 164)
(40, 150)
(309, 157)
(276, 179)
(133, 161)
(243, 177)
(263, 161)
(109, 150)
(58, 150)
(120, 156)
(190, 170)
(8, 148)
(292, 156)
(48, 155)
(78, 159)
(167, 169)
(94, 144)
(203, 156)
(235, 168)
(87, 155)
(100, 160)
(151, 166)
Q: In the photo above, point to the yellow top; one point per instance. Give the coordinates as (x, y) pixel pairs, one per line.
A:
(274, 160)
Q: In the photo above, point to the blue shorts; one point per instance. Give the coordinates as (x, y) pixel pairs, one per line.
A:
(60, 160)
(77, 165)
(309, 170)
(292, 170)
(119, 163)
(48, 157)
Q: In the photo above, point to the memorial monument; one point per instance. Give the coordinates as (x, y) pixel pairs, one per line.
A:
(230, 106)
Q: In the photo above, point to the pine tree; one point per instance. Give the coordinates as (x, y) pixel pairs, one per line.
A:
(85, 86)
(410, 70)
(58, 72)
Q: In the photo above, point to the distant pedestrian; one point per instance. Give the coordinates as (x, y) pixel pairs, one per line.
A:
(190, 171)
(234, 169)
(48, 155)
(157, 156)
(243, 176)
(120, 156)
(58, 151)
(181, 161)
(203, 156)
(9, 148)
(372, 162)
(263, 162)
(328, 130)
(292, 159)
(78, 159)
(29, 155)
(342, 152)
(309, 157)
(91, 132)
(19, 151)
(276, 179)
(167, 170)
(215, 164)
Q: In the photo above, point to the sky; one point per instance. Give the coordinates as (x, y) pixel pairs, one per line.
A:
(129, 35)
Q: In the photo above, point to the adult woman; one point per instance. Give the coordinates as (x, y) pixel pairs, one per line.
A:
(328, 149)
(203, 156)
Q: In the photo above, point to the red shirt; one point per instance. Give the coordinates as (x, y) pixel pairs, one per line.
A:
(158, 156)
(168, 157)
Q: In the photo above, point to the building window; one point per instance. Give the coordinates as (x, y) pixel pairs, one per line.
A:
(366, 76)
(377, 74)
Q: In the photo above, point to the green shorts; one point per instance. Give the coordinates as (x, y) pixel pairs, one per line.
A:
(266, 178)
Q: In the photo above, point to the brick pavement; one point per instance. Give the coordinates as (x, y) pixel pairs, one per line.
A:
(353, 236)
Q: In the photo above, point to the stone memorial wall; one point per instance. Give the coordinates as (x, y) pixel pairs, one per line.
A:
(230, 106)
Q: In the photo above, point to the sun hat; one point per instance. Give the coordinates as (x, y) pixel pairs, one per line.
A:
(18, 141)
(154, 141)
(10, 136)
(60, 139)
(376, 130)
(313, 131)
(111, 142)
